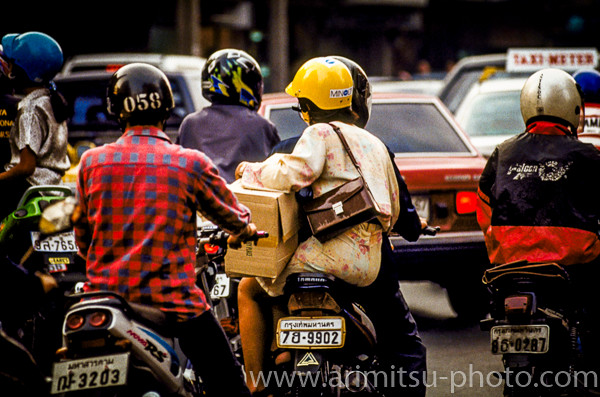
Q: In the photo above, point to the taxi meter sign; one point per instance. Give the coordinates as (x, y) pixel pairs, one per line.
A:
(533, 59)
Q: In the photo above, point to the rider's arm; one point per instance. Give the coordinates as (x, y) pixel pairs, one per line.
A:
(81, 227)
(24, 168)
(484, 193)
(289, 172)
(408, 225)
(215, 201)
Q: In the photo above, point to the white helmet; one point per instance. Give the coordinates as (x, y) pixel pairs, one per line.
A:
(551, 94)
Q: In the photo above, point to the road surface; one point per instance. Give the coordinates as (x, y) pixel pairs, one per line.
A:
(459, 361)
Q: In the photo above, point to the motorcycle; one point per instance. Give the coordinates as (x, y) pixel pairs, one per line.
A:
(324, 341)
(25, 246)
(23, 243)
(537, 328)
(114, 347)
(220, 288)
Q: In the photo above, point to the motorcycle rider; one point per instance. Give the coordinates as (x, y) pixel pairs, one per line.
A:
(139, 197)
(318, 161)
(535, 201)
(398, 338)
(38, 137)
(589, 81)
(230, 130)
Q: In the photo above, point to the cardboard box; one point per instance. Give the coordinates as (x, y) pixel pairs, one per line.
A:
(274, 212)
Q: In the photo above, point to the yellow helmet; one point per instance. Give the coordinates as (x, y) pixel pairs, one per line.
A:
(324, 81)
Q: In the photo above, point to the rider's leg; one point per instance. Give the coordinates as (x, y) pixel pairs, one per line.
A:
(400, 347)
(253, 331)
(204, 342)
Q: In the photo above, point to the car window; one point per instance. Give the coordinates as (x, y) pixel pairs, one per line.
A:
(496, 113)
(87, 99)
(454, 94)
(414, 128)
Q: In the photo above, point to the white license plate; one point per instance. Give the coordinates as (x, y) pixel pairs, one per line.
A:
(421, 204)
(90, 373)
(61, 242)
(221, 287)
(311, 332)
(520, 339)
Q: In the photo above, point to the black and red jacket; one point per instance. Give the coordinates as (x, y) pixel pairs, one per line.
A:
(539, 198)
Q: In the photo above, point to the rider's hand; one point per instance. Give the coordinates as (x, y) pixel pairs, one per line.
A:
(239, 171)
(235, 241)
(423, 223)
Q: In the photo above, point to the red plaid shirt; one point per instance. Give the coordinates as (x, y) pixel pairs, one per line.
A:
(140, 196)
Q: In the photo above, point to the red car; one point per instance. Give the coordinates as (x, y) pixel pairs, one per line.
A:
(441, 168)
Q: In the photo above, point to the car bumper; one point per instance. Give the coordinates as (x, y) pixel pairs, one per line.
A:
(440, 257)
(442, 242)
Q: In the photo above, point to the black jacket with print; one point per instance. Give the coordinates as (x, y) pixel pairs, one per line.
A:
(539, 198)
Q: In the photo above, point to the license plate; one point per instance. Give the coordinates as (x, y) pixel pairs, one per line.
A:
(61, 242)
(421, 204)
(520, 339)
(90, 373)
(311, 332)
(221, 287)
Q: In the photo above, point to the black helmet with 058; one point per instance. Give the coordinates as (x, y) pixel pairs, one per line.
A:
(139, 94)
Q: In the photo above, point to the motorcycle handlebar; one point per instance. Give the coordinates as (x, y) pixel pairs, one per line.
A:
(219, 237)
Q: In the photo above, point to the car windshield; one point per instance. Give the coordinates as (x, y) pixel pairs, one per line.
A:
(403, 127)
(414, 128)
(493, 114)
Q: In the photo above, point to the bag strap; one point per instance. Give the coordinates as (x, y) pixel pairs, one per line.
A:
(338, 131)
(345, 144)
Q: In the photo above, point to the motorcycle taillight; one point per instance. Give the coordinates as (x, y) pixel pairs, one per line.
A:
(518, 304)
(75, 321)
(211, 249)
(98, 319)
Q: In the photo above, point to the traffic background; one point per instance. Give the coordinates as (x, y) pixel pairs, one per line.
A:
(390, 39)
(386, 37)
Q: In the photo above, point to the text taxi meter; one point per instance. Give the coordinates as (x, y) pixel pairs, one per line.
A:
(534, 59)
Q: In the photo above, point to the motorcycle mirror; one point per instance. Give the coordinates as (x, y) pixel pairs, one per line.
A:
(58, 216)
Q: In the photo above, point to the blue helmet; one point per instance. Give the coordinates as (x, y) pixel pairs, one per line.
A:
(589, 81)
(38, 54)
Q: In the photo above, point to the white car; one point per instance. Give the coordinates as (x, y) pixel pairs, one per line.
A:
(491, 112)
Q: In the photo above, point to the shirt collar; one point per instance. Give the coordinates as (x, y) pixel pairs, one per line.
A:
(32, 96)
(147, 131)
(547, 128)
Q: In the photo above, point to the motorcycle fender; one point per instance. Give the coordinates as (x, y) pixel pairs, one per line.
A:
(307, 361)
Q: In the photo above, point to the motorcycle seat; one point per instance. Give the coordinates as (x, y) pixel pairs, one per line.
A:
(148, 315)
(305, 281)
(524, 271)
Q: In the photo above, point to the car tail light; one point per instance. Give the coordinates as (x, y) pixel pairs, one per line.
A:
(466, 202)
(518, 304)
(98, 319)
(75, 321)
(113, 67)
